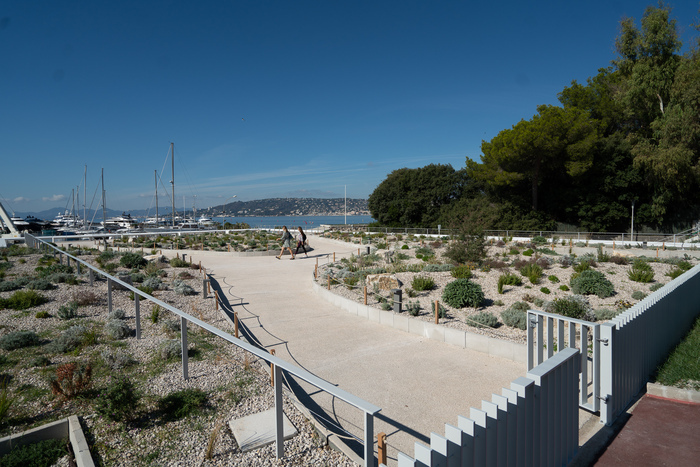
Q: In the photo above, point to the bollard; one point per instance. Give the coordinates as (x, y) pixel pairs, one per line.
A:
(333, 257)
(204, 288)
(368, 250)
(272, 370)
(437, 312)
(316, 272)
(235, 324)
(365, 295)
(664, 245)
(190, 260)
(200, 267)
(397, 300)
(209, 285)
(358, 252)
(216, 297)
(381, 448)
(229, 248)
(657, 251)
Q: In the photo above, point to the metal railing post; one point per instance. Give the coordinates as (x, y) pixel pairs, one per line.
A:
(279, 413)
(369, 440)
(109, 295)
(183, 344)
(137, 311)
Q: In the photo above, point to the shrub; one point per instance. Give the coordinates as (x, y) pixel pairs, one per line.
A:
(71, 379)
(684, 265)
(179, 263)
(553, 279)
(182, 289)
(539, 240)
(404, 247)
(117, 314)
(516, 315)
(604, 314)
(40, 284)
(117, 329)
(528, 252)
(132, 260)
(117, 359)
(68, 311)
(119, 400)
(413, 308)
(617, 259)
(572, 307)
(53, 269)
(155, 313)
(545, 290)
(110, 267)
(46, 452)
(508, 279)
(675, 272)
(592, 282)
(18, 340)
(582, 266)
(181, 404)
(86, 297)
(70, 339)
(655, 287)
(461, 272)
(641, 271)
(170, 349)
(153, 283)
(532, 271)
(564, 287)
(471, 248)
(463, 292)
(638, 295)
(603, 257)
(23, 299)
(437, 267)
(483, 319)
(42, 314)
(421, 283)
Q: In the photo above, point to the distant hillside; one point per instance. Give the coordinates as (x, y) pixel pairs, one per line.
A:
(260, 207)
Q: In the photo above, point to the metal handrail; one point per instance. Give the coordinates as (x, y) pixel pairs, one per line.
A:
(369, 409)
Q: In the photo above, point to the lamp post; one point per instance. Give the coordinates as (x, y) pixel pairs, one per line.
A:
(222, 217)
(632, 235)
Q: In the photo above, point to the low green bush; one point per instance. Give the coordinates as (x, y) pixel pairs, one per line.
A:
(655, 287)
(461, 272)
(641, 271)
(181, 288)
(170, 349)
(605, 314)
(18, 339)
(545, 290)
(508, 279)
(675, 272)
(181, 404)
(23, 300)
(483, 319)
(572, 307)
(179, 263)
(46, 452)
(413, 308)
(532, 271)
(591, 282)
(40, 284)
(117, 329)
(421, 283)
(68, 311)
(463, 292)
(132, 260)
(528, 252)
(119, 400)
(564, 287)
(638, 295)
(516, 315)
(553, 279)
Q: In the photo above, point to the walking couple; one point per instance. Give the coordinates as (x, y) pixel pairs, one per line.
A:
(287, 238)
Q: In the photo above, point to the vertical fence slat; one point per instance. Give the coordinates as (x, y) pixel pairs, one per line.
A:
(183, 346)
(468, 428)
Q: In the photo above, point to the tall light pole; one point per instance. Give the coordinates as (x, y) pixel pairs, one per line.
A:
(222, 217)
(632, 220)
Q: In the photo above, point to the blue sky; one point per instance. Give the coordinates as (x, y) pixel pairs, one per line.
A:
(275, 98)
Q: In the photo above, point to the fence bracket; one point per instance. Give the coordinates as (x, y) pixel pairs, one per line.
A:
(604, 341)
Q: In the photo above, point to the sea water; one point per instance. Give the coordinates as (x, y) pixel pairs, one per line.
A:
(292, 222)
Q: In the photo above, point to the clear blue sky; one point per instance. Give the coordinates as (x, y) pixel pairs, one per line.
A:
(276, 98)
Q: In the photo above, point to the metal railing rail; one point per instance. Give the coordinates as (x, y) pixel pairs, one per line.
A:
(587, 340)
(370, 410)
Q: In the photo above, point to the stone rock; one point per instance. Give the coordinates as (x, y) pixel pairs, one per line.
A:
(384, 281)
(156, 258)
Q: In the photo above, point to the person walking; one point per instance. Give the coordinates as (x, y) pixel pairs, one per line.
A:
(301, 239)
(287, 242)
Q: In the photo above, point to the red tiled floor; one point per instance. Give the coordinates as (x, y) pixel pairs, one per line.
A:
(659, 432)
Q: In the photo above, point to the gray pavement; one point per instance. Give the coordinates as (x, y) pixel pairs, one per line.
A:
(419, 384)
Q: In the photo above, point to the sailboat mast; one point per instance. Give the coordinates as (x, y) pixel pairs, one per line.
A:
(155, 174)
(104, 218)
(172, 181)
(85, 198)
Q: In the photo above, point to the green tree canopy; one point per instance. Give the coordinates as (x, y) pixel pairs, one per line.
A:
(415, 197)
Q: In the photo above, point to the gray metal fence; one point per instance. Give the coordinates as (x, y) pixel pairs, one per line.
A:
(280, 365)
(532, 423)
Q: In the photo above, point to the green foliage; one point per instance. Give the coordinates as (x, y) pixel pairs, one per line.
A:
(572, 307)
(117, 359)
(42, 315)
(72, 338)
(553, 279)
(416, 197)
(132, 260)
(483, 319)
(421, 283)
(119, 400)
(508, 279)
(675, 272)
(413, 308)
(170, 349)
(539, 240)
(641, 271)
(463, 292)
(40, 284)
(68, 311)
(532, 271)
(603, 257)
(155, 313)
(181, 288)
(117, 329)
(179, 263)
(461, 272)
(683, 365)
(605, 314)
(638, 295)
(545, 290)
(655, 287)
(564, 287)
(181, 404)
(438, 268)
(46, 271)
(18, 339)
(23, 300)
(516, 315)
(46, 452)
(528, 252)
(592, 282)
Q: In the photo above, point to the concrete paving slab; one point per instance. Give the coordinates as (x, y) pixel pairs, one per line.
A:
(258, 430)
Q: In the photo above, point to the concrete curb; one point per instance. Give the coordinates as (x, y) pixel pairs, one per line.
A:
(464, 339)
(670, 392)
(66, 428)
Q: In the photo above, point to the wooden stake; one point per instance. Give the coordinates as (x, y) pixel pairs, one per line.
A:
(235, 324)
(437, 312)
(365, 295)
(216, 297)
(381, 448)
(272, 370)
